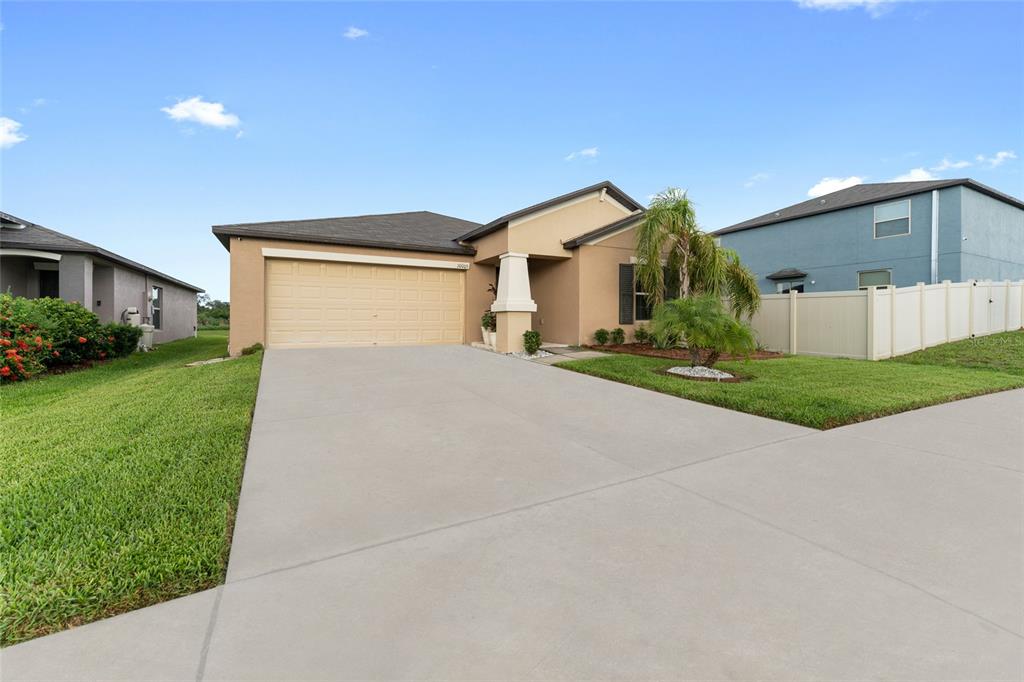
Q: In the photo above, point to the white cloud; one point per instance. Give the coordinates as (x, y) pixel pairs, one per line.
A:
(756, 179)
(946, 164)
(875, 8)
(202, 112)
(9, 135)
(588, 153)
(829, 185)
(354, 33)
(997, 160)
(915, 175)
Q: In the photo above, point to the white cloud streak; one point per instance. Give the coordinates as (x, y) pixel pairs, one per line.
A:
(205, 113)
(998, 159)
(588, 153)
(9, 135)
(829, 185)
(946, 164)
(756, 179)
(875, 8)
(355, 33)
(915, 175)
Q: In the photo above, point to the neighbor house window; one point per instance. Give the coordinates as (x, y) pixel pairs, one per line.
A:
(874, 278)
(892, 220)
(158, 306)
(786, 287)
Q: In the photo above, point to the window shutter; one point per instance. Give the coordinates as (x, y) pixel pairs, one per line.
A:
(625, 294)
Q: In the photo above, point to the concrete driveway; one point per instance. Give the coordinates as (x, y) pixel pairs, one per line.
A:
(448, 513)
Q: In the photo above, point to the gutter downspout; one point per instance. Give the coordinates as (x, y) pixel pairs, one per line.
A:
(935, 236)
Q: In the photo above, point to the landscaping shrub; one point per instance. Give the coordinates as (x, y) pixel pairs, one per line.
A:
(601, 336)
(531, 341)
(489, 321)
(75, 331)
(618, 336)
(254, 348)
(641, 334)
(123, 339)
(24, 339)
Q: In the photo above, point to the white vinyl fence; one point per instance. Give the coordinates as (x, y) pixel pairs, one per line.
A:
(877, 323)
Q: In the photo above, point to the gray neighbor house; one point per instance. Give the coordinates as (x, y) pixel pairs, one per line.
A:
(36, 261)
(885, 234)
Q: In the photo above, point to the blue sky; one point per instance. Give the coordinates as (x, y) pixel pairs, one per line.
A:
(474, 110)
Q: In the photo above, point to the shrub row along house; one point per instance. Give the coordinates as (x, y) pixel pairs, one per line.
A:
(37, 262)
(562, 267)
(885, 234)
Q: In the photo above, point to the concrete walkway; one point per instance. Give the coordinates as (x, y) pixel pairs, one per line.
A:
(447, 513)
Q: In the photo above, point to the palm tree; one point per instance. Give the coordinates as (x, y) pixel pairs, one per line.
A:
(709, 330)
(693, 263)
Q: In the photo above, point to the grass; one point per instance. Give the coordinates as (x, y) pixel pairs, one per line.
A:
(1000, 352)
(818, 392)
(118, 484)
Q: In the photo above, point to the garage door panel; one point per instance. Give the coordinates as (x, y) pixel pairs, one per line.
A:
(313, 304)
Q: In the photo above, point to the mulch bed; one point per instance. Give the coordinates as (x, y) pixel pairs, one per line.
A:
(677, 353)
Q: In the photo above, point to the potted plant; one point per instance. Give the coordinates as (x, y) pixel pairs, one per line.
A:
(489, 328)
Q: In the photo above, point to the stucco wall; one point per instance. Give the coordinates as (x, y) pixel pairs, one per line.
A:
(247, 285)
(76, 279)
(599, 284)
(544, 233)
(994, 244)
(833, 247)
(554, 285)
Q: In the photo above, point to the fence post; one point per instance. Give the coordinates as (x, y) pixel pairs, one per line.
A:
(871, 323)
(1006, 306)
(945, 291)
(921, 316)
(892, 321)
(970, 308)
(792, 321)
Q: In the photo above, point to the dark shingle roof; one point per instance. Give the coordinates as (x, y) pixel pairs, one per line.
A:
(413, 231)
(787, 273)
(859, 195)
(602, 231)
(504, 220)
(32, 236)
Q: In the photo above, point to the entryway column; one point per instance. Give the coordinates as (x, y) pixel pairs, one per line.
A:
(513, 305)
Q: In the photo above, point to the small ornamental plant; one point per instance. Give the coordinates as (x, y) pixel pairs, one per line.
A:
(601, 336)
(489, 321)
(531, 341)
(618, 336)
(641, 334)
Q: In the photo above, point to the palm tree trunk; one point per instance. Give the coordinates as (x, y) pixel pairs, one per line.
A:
(694, 356)
(712, 358)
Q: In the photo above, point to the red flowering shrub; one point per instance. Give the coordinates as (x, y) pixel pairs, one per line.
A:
(22, 340)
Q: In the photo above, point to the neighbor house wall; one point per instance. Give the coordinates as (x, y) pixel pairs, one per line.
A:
(833, 247)
(993, 243)
(104, 304)
(248, 323)
(179, 319)
(16, 275)
(599, 284)
(76, 279)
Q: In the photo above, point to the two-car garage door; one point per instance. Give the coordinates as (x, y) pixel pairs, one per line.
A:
(313, 303)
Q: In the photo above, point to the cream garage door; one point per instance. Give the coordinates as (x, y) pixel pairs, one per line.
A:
(321, 303)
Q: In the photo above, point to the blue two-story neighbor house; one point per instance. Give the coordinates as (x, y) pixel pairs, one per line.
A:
(885, 234)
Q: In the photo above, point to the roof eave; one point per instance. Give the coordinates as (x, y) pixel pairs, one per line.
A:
(224, 236)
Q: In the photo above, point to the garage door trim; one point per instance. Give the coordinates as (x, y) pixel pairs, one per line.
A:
(298, 254)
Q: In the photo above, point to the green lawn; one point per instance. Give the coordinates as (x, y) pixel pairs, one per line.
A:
(818, 392)
(1001, 352)
(118, 484)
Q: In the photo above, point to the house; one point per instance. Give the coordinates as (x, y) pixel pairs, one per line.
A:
(36, 261)
(882, 234)
(562, 267)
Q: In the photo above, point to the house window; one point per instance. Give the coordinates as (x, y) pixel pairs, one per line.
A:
(892, 220)
(157, 302)
(643, 304)
(874, 278)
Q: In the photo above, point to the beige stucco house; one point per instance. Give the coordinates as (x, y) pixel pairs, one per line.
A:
(562, 267)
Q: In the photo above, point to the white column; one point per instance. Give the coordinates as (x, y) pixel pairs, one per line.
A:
(513, 285)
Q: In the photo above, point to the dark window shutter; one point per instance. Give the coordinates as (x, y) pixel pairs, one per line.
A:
(625, 294)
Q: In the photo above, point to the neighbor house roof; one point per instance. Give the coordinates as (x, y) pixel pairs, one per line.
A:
(504, 220)
(602, 231)
(413, 231)
(787, 273)
(858, 195)
(23, 234)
